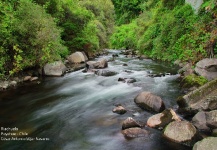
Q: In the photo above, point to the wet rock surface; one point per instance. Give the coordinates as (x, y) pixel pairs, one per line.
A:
(105, 73)
(182, 132)
(130, 123)
(135, 133)
(149, 101)
(119, 110)
(209, 143)
(160, 120)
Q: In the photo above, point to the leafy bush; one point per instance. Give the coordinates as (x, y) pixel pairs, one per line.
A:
(33, 32)
(6, 12)
(127, 10)
(170, 30)
(124, 36)
(33, 38)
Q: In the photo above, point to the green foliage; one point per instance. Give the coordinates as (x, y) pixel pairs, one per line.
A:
(172, 4)
(170, 30)
(74, 22)
(6, 16)
(38, 33)
(33, 32)
(127, 10)
(29, 37)
(193, 80)
(151, 33)
(124, 36)
(103, 12)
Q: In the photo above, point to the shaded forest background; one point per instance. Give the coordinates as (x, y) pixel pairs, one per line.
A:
(35, 32)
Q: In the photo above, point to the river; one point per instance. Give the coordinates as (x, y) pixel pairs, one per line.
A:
(74, 112)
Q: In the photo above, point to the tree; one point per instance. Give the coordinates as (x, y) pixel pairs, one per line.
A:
(36, 38)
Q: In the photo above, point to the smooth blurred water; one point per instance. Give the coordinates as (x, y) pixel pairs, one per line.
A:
(75, 111)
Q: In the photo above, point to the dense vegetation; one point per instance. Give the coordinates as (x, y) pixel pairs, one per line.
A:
(166, 30)
(34, 32)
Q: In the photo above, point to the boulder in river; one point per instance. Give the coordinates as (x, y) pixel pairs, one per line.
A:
(119, 110)
(135, 132)
(209, 143)
(162, 119)
(34, 78)
(181, 132)
(102, 63)
(105, 73)
(149, 101)
(211, 119)
(130, 123)
(13, 83)
(199, 121)
(56, 68)
(207, 68)
(27, 78)
(128, 80)
(77, 57)
(186, 70)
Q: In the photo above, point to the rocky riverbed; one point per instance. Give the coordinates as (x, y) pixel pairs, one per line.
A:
(113, 102)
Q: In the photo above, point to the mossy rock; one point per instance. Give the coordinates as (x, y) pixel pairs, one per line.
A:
(193, 81)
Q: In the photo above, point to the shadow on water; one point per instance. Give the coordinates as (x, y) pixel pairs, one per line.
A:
(74, 112)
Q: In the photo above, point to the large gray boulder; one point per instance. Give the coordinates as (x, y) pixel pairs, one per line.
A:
(209, 143)
(211, 119)
(149, 101)
(160, 120)
(77, 57)
(54, 69)
(207, 68)
(199, 121)
(181, 132)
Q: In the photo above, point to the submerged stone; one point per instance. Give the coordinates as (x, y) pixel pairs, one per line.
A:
(135, 132)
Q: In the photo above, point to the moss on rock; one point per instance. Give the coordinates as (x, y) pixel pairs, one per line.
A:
(193, 80)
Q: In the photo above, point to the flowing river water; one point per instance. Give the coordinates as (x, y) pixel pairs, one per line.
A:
(74, 112)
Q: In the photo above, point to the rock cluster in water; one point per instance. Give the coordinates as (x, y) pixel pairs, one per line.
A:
(174, 128)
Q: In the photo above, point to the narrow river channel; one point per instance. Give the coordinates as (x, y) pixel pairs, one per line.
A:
(74, 112)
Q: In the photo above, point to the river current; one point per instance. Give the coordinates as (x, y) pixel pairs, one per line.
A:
(74, 112)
